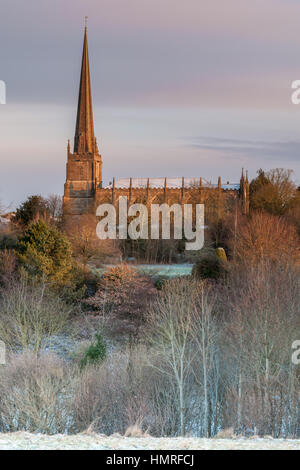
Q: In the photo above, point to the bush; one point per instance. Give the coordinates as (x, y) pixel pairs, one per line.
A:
(122, 300)
(95, 353)
(209, 266)
(221, 253)
(115, 394)
(35, 394)
(30, 313)
(160, 282)
(45, 252)
(265, 237)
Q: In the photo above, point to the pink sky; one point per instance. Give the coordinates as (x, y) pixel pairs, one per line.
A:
(200, 87)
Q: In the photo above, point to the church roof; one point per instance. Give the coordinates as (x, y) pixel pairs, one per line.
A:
(138, 183)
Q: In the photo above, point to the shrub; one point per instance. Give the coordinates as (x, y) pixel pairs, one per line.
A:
(209, 266)
(30, 313)
(119, 276)
(265, 237)
(98, 402)
(121, 300)
(95, 353)
(35, 394)
(160, 282)
(45, 252)
(114, 395)
(221, 253)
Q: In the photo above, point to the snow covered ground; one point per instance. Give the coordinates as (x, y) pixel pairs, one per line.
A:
(88, 441)
(165, 270)
(157, 270)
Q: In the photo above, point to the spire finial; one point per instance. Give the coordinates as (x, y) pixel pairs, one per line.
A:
(86, 21)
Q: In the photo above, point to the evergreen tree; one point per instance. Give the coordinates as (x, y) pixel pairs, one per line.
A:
(34, 207)
(44, 251)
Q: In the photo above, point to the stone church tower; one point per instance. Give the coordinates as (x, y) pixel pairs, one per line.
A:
(84, 166)
(84, 190)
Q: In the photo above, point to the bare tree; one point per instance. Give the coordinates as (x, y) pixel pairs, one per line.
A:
(171, 320)
(55, 205)
(265, 237)
(205, 336)
(85, 243)
(263, 322)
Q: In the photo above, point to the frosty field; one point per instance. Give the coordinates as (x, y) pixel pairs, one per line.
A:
(26, 441)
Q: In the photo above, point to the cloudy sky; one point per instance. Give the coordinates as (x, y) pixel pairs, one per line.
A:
(180, 88)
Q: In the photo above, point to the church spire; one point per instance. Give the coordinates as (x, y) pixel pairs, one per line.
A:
(84, 136)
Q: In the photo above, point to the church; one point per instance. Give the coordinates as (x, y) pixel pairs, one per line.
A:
(84, 189)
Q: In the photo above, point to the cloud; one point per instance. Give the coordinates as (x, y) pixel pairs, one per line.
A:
(256, 149)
